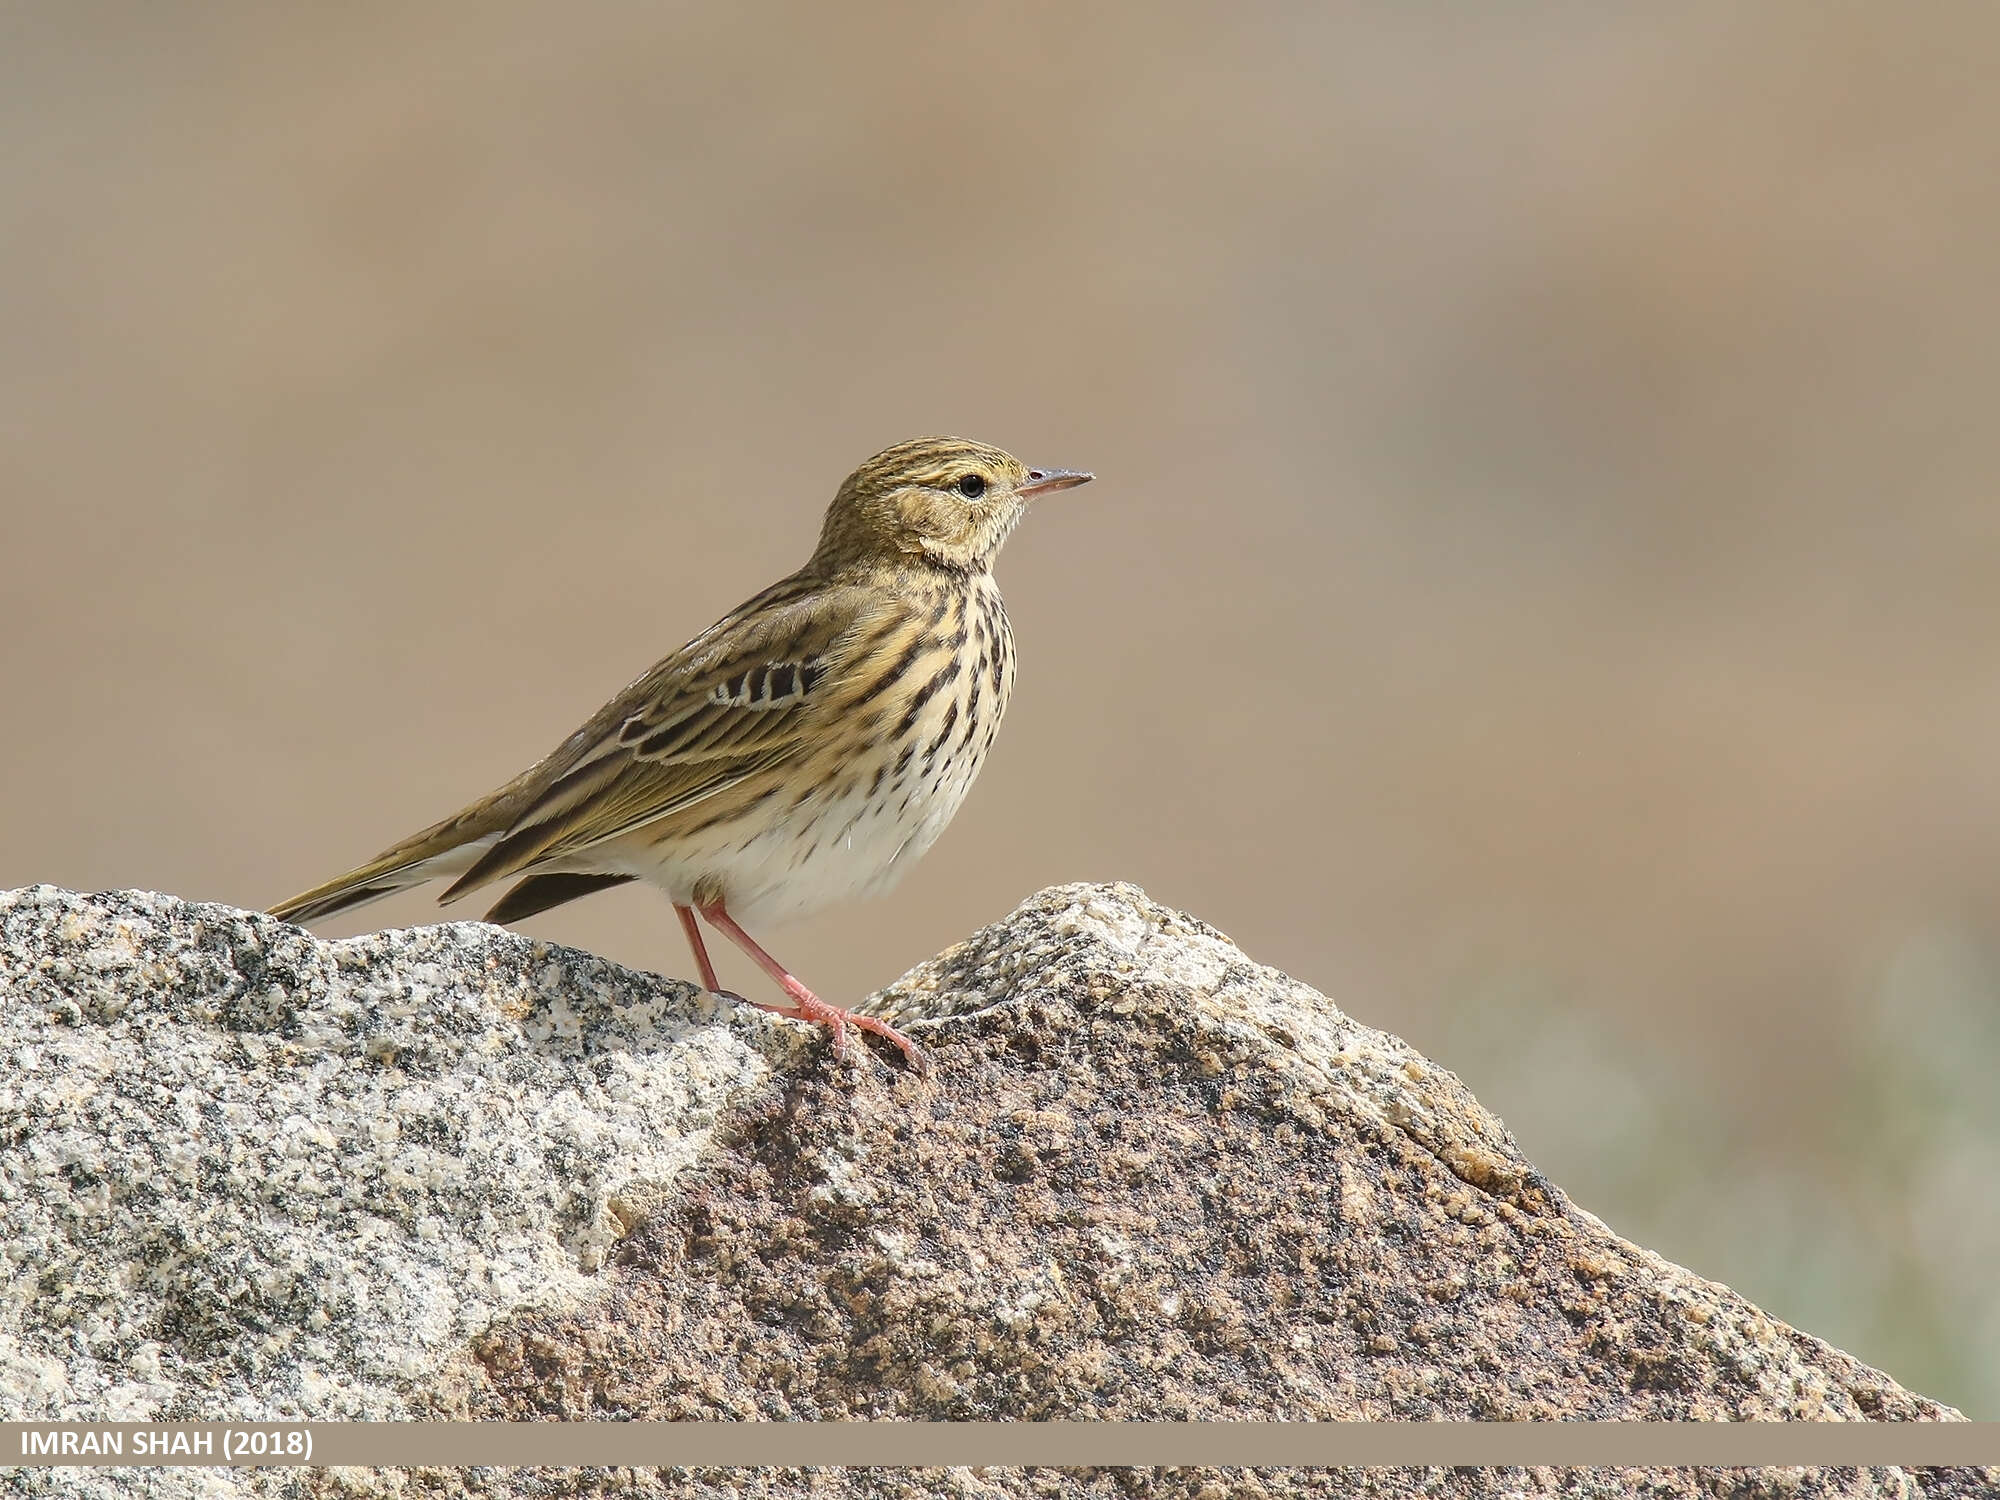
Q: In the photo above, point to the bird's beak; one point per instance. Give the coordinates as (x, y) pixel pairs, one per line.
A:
(1047, 481)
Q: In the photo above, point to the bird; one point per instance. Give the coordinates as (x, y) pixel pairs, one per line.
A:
(805, 749)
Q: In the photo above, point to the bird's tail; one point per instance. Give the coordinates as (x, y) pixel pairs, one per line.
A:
(446, 848)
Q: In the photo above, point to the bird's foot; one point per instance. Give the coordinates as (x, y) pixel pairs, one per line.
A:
(801, 1004)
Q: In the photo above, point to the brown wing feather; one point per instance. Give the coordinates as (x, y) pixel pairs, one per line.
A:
(678, 745)
(735, 702)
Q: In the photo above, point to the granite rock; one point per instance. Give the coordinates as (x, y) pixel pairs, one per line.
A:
(457, 1173)
(245, 1173)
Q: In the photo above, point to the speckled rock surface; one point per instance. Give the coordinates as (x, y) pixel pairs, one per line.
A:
(1150, 1178)
(247, 1173)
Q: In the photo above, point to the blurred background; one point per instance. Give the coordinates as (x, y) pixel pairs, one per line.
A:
(1541, 587)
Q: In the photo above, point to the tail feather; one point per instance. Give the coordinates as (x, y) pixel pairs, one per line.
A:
(540, 892)
(336, 896)
(382, 876)
(443, 849)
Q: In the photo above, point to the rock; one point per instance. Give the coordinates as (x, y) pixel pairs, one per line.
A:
(249, 1172)
(456, 1173)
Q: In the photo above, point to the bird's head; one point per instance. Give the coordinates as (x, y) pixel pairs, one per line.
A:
(946, 501)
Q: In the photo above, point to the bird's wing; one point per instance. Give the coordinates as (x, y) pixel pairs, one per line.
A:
(737, 700)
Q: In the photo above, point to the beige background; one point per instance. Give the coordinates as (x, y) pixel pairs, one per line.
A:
(1541, 588)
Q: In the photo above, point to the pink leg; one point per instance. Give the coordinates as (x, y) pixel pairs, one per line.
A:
(709, 982)
(807, 1005)
(693, 930)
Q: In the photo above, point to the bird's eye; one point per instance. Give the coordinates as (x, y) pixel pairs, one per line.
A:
(972, 486)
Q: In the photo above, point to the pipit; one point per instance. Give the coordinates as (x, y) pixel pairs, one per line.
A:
(807, 747)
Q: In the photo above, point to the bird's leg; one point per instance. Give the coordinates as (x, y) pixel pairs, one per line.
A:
(693, 930)
(807, 1005)
(708, 980)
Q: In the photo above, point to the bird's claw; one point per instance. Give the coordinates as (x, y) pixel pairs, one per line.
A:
(837, 1021)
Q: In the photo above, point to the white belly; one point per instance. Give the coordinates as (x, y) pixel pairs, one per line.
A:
(845, 845)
